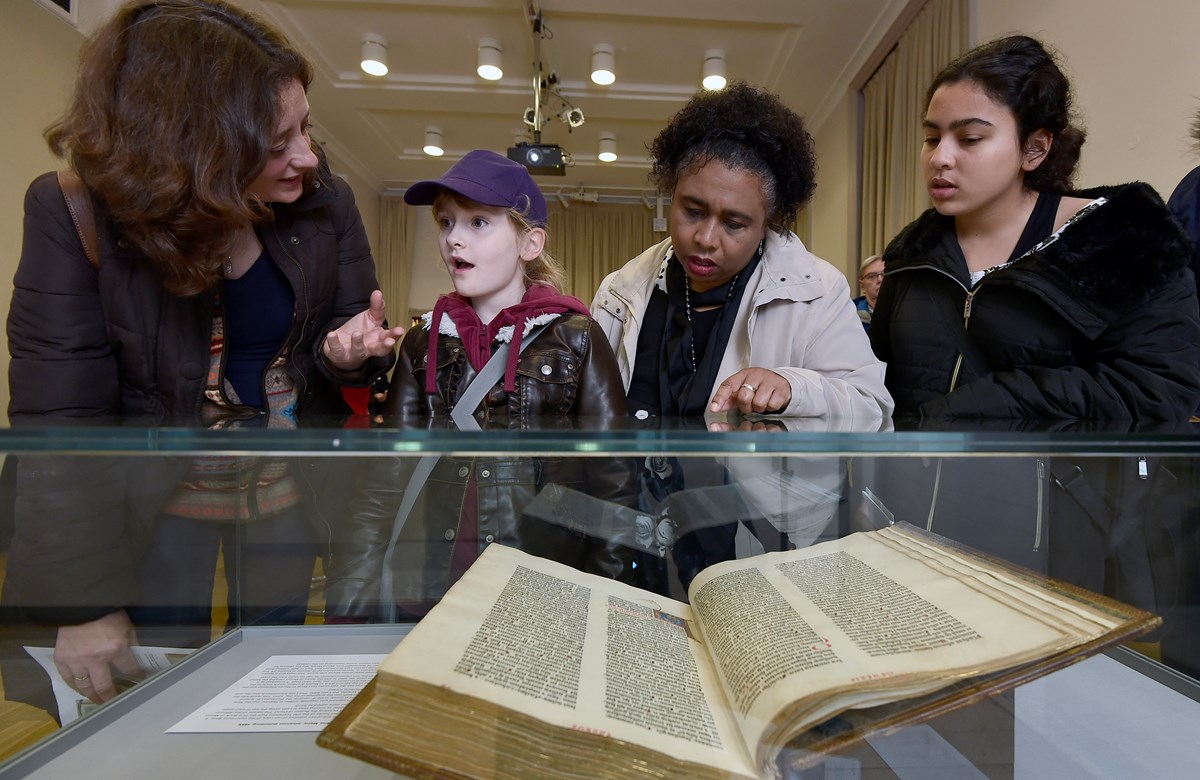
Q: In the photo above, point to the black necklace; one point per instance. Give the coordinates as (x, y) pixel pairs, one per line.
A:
(687, 301)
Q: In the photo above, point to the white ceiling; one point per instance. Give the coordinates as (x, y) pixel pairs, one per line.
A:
(807, 51)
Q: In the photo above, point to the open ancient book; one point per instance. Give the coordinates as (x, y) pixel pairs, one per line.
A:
(528, 668)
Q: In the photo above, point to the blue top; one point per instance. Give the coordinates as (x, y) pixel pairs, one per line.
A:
(259, 309)
(864, 312)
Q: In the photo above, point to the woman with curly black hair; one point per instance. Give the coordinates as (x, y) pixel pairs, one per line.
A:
(731, 311)
(1017, 296)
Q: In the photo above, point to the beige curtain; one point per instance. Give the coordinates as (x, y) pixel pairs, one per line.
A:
(592, 240)
(393, 256)
(893, 188)
(802, 227)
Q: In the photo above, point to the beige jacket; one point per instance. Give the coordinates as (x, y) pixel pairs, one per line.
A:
(796, 319)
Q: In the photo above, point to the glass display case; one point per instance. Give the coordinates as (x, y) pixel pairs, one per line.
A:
(208, 551)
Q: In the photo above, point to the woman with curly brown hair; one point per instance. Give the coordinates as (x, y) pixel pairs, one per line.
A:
(232, 282)
(731, 312)
(189, 127)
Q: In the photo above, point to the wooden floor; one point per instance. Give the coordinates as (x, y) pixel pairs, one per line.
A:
(22, 725)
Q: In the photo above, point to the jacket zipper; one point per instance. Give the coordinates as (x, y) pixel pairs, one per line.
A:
(958, 361)
(937, 487)
(937, 477)
(301, 380)
(1041, 504)
(966, 325)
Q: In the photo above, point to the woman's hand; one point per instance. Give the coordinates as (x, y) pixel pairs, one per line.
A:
(362, 336)
(87, 653)
(753, 390)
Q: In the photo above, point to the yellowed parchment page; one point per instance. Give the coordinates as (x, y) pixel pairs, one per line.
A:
(576, 651)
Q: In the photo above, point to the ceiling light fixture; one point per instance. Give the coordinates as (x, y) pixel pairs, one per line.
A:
(489, 60)
(374, 55)
(608, 147)
(433, 141)
(714, 69)
(603, 64)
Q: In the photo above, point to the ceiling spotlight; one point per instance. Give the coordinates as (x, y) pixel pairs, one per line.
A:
(374, 55)
(433, 141)
(489, 60)
(530, 118)
(573, 118)
(603, 64)
(608, 147)
(714, 69)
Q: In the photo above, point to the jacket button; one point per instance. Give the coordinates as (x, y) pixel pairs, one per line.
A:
(546, 370)
(316, 185)
(485, 473)
(463, 471)
(489, 538)
(122, 243)
(192, 370)
(295, 239)
(449, 534)
(570, 366)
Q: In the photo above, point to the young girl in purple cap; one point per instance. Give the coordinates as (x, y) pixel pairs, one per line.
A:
(491, 235)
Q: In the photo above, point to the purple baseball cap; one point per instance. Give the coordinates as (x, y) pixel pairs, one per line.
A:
(488, 178)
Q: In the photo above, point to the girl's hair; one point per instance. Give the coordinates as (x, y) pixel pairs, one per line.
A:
(1196, 129)
(1018, 73)
(748, 129)
(173, 116)
(543, 269)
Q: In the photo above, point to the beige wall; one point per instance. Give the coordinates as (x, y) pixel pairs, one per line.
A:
(1135, 68)
(37, 58)
(833, 204)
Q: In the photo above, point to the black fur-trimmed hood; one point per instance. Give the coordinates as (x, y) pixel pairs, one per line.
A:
(1108, 261)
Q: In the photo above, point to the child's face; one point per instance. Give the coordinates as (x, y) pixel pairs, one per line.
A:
(485, 254)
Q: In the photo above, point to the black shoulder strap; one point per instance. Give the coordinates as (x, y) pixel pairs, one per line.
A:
(79, 203)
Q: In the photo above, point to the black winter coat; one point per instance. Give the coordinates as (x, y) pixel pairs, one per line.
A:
(567, 372)
(1100, 322)
(114, 342)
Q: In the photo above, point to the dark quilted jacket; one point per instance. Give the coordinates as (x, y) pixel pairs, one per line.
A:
(114, 342)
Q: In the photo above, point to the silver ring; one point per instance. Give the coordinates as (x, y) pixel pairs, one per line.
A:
(753, 389)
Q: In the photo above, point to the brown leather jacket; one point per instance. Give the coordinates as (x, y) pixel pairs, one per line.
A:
(567, 372)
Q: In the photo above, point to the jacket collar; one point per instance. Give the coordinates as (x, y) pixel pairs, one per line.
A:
(1108, 260)
(446, 326)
